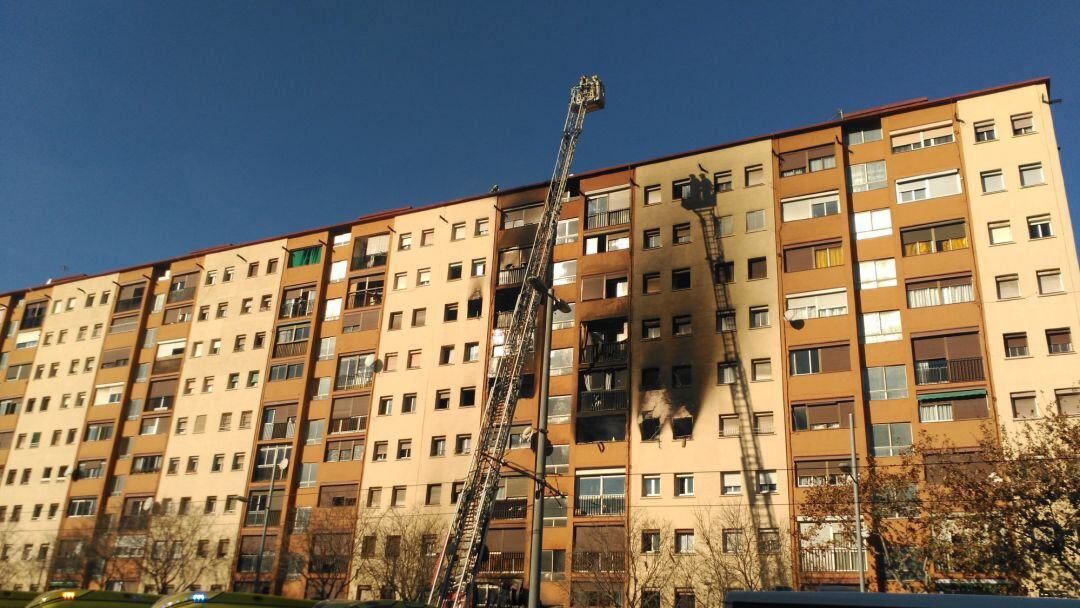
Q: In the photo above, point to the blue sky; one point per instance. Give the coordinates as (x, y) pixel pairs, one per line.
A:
(132, 131)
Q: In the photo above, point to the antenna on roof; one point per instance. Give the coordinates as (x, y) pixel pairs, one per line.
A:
(840, 113)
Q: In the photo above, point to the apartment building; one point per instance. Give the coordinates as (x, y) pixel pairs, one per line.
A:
(908, 269)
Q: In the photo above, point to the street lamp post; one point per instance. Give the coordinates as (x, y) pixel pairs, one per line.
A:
(854, 473)
(550, 304)
(266, 519)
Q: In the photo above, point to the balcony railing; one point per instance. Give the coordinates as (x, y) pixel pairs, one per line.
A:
(180, 295)
(290, 349)
(502, 319)
(134, 522)
(168, 366)
(608, 504)
(128, 304)
(603, 401)
(364, 297)
(369, 261)
(829, 560)
(246, 562)
(256, 518)
(357, 380)
(511, 276)
(608, 218)
(509, 508)
(278, 430)
(599, 561)
(348, 425)
(263, 474)
(940, 371)
(32, 321)
(295, 308)
(503, 561)
(604, 352)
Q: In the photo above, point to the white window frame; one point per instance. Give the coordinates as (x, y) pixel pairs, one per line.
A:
(815, 310)
(876, 223)
(810, 206)
(877, 266)
(886, 326)
(925, 183)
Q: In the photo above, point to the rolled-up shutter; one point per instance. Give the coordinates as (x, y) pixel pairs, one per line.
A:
(517, 487)
(835, 358)
(822, 414)
(592, 288)
(338, 495)
(963, 346)
(799, 258)
(599, 538)
(820, 152)
(164, 388)
(929, 348)
(348, 407)
(970, 408)
(115, 357)
(792, 161)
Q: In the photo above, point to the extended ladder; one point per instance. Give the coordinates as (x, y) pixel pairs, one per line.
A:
(456, 569)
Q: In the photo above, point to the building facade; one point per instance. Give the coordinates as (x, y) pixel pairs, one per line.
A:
(910, 270)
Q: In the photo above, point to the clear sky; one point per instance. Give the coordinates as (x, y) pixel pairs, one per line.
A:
(133, 131)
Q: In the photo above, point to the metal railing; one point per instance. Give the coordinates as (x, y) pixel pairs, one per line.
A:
(128, 304)
(290, 349)
(940, 371)
(168, 366)
(180, 295)
(503, 561)
(295, 308)
(368, 261)
(604, 352)
(348, 425)
(509, 508)
(829, 560)
(278, 430)
(134, 522)
(364, 297)
(511, 276)
(608, 218)
(603, 401)
(357, 380)
(608, 504)
(599, 561)
(264, 473)
(502, 319)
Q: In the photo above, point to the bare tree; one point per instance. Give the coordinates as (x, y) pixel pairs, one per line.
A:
(172, 553)
(9, 567)
(323, 549)
(398, 551)
(731, 552)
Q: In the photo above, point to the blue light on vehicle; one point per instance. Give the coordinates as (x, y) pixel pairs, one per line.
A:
(198, 597)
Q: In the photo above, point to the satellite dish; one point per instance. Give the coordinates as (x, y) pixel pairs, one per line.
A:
(528, 433)
(284, 464)
(789, 315)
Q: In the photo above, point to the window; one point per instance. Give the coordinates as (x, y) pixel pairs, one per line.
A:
(522, 216)
(454, 271)
(812, 206)
(463, 445)
(680, 234)
(1068, 401)
(333, 310)
(724, 225)
(558, 409)
(652, 195)
(807, 161)
(1022, 124)
(1000, 232)
(927, 187)
(1050, 282)
(650, 485)
(864, 177)
(759, 316)
(992, 181)
(1024, 406)
(1031, 175)
(761, 370)
(1008, 286)
(1016, 345)
(423, 277)
(408, 403)
(680, 190)
(886, 382)
(726, 372)
(684, 485)
(446, 354)
(684, 539)
(419, 317)
(404, 449)
(820, 360)
(680, 279)
(401, 280)
(984, 131)
(1059, 341)
(767, 482)
(564, 273)
(816, 305)
(934, 239)
(755, 220)
(881, 326)
(872, 224)
(925, 136)
(682, 376)
(722, 182)
(891, 439)
(558, 460)
(481, 227)
(756, 268)
(562, 361)
(651, 239)
(863, 135)
(566, 231)
(681, 325)
(763, 424)
(650, 328)
(725, 320)
(650, 283)
(305, 256)
(731, 484)
(473, 308)
(1039, 227)
(939, 292)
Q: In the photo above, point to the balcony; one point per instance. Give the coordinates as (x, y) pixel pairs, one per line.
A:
(607, 218)
(290, 309)
(600, 506)
(168, 366)
(134, 522)
(510, 508)
(180, 295)
(128, 304)
(599, 561)
(364, 297)
(262, 474)
(941, 371)
(603, 401)
(604, 352)
(511, 276)
(354, 424)
(159, 404)
(246, 562)
(502, 319)
(371, 260)
(278, 430)
(357, 380)
(503, 562)
(256, 518)
(829, 560)
(290, 349)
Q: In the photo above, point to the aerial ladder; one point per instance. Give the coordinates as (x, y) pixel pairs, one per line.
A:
(455, 571)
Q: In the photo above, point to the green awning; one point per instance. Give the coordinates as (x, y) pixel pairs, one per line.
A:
(951, 395)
